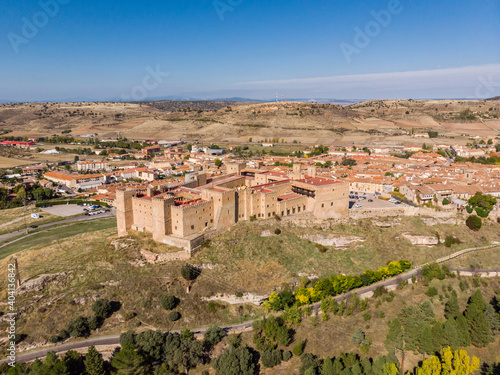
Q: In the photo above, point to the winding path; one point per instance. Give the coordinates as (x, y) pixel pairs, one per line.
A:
(115, 339)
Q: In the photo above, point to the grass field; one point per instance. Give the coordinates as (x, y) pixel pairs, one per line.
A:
(98, 264)
(259, 264)
(54, 234)
(25, 220)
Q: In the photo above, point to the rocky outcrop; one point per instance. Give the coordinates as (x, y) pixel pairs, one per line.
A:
(36, 285)
(164, 257)
(234, 300)
(336, 241)
(122, 243)
(439, 220)
(421, 240)
(386, 224)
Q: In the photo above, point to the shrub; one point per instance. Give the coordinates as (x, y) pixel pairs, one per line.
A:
(271, 358)
(321, 248)
(63, 335)
(431, 292)
(367, 316)
(127, 338)
(450, 240)
(446, 202)
(468, 209)
(78, 327)
(102, 308)
(94, 322)
(379, 291)
(474, 222)
(54, 339)
(277, 231)
(214, 335)
(168, 302)
(298, 349)
(235, 341)
(173, 316)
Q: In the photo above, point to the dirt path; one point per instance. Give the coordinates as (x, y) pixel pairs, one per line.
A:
(115, 339)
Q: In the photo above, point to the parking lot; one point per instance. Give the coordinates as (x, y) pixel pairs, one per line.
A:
(65, 210)
(369, 201)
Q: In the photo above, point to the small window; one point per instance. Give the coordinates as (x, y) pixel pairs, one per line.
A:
(331, 204)
(192, 226)
(322, 205)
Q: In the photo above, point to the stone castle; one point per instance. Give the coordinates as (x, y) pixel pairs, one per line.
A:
(184, 215)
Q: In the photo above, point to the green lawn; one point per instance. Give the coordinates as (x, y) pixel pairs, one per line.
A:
(55, 233)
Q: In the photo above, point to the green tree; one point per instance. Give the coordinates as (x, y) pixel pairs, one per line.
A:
(218, 163)
(93, 362)
(493, 318)
(168, 302)
(451, 309)
(102, 308)
(129, 362)
(327, 367)
(479, 327)
(358, 337)
(74, 362)
(394, 339)
(234, 362)
(463, 336)
(450, 334)
(425, 344)
(474, 222)
(214, 335)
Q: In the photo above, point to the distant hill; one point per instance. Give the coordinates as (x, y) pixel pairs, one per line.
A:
(302, 120)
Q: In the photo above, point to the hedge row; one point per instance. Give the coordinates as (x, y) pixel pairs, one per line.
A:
(334, 285)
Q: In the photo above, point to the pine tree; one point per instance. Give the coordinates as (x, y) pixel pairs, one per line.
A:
(129, 361)
(94, 364)
(358, 336)
(451, 309)
(479, 327)
(427, 312)
(425, 340)
(493, 318)
(338, 365)
(437, 337)
(463, 337)
(356, 369)
(394, 338)
(327, 368)
(367, 365)
(450, 335)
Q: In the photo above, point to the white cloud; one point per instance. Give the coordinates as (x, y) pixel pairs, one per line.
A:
(449, 82)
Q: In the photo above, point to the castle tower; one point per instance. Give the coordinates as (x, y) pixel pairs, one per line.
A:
(311, 171)
(296, 172)
(162, 217)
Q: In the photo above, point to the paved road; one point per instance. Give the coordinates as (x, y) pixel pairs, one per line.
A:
(8, 236)
(115, 340)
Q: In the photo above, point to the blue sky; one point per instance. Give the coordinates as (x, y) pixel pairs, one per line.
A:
(253, 48)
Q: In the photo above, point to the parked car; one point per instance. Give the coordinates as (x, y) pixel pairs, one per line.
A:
(370, 200)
